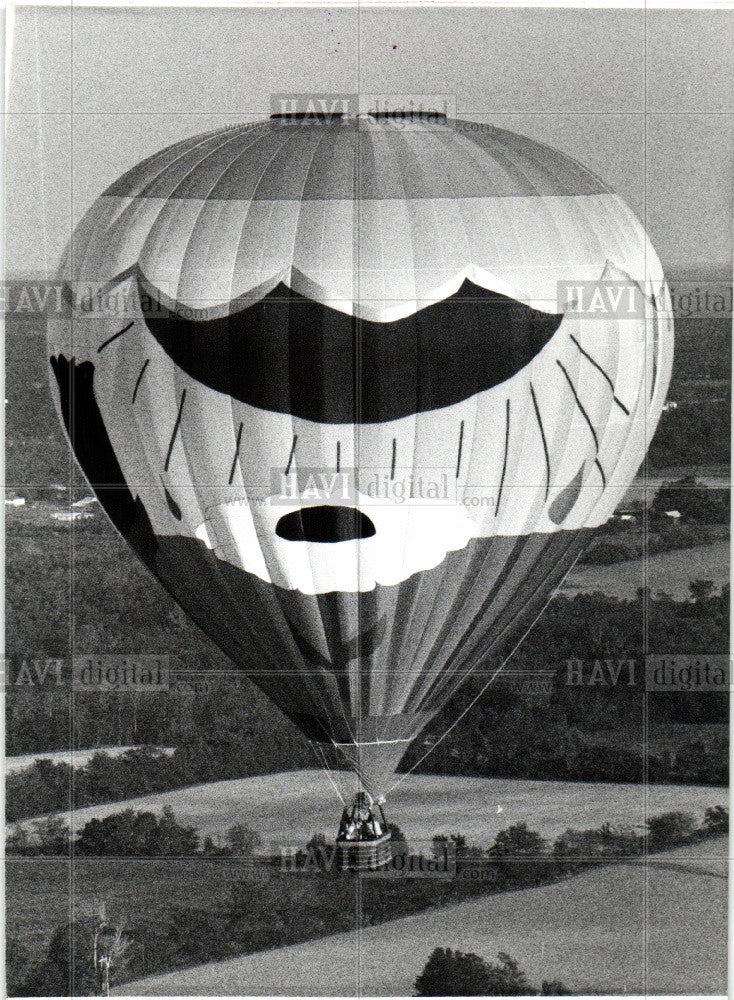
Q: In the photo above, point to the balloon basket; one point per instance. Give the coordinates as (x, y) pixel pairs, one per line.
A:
(364, 840)
(364, 855)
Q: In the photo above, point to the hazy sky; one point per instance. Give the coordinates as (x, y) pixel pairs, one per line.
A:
(93, 91)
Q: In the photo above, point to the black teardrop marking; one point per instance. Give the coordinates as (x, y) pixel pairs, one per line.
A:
(172, 505)
(566, 499)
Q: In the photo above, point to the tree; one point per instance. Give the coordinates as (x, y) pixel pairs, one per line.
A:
(583, 845)
(175, 840)
(517, 841)
(670, 828)
(440, 839)
(71, 952)
(242, 839)
(52, 835)
(137, 834)
(554, 988)
(398, 841)
(717, 820)
(18, 842)
(701, 590)
(317, 842)
(450, 974)
(124, 834)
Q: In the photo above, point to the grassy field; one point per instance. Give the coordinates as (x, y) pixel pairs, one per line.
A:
(76, 759)
(287, 808)
(42, 894)
(617, 930)
(668, 572)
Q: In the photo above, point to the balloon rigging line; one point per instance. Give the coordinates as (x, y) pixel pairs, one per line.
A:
(325, 767)
(545, 443)
(115, 336)
(491, 680)
(599, 368)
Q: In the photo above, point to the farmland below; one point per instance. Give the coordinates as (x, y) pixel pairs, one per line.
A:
(618, 930)
(175, 918)
(288, 808)
(666, 572)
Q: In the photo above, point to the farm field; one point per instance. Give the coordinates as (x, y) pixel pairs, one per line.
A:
(39, 892)
(77, 758)
(668, 572)
(618, 930)
(287, 808)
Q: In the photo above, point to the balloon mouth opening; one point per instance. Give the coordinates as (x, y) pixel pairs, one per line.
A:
(326, 523)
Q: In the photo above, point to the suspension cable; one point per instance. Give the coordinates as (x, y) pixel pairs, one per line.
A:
(321, 757)
(476, 698)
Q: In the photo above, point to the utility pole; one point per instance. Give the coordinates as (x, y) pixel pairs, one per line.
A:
(108, 946)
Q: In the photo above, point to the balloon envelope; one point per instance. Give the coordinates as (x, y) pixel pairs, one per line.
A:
(321, 378)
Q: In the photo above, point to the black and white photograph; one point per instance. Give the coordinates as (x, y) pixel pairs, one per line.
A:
(367, 498)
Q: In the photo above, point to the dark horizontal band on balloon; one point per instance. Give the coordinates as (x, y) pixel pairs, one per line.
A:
(274, 352)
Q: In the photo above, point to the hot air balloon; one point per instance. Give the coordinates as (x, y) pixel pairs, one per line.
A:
(345, 419)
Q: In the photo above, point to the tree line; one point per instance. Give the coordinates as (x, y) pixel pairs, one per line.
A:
(589, 731)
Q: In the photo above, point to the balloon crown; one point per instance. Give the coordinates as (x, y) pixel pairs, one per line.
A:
(321, 116)
(328, 116)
